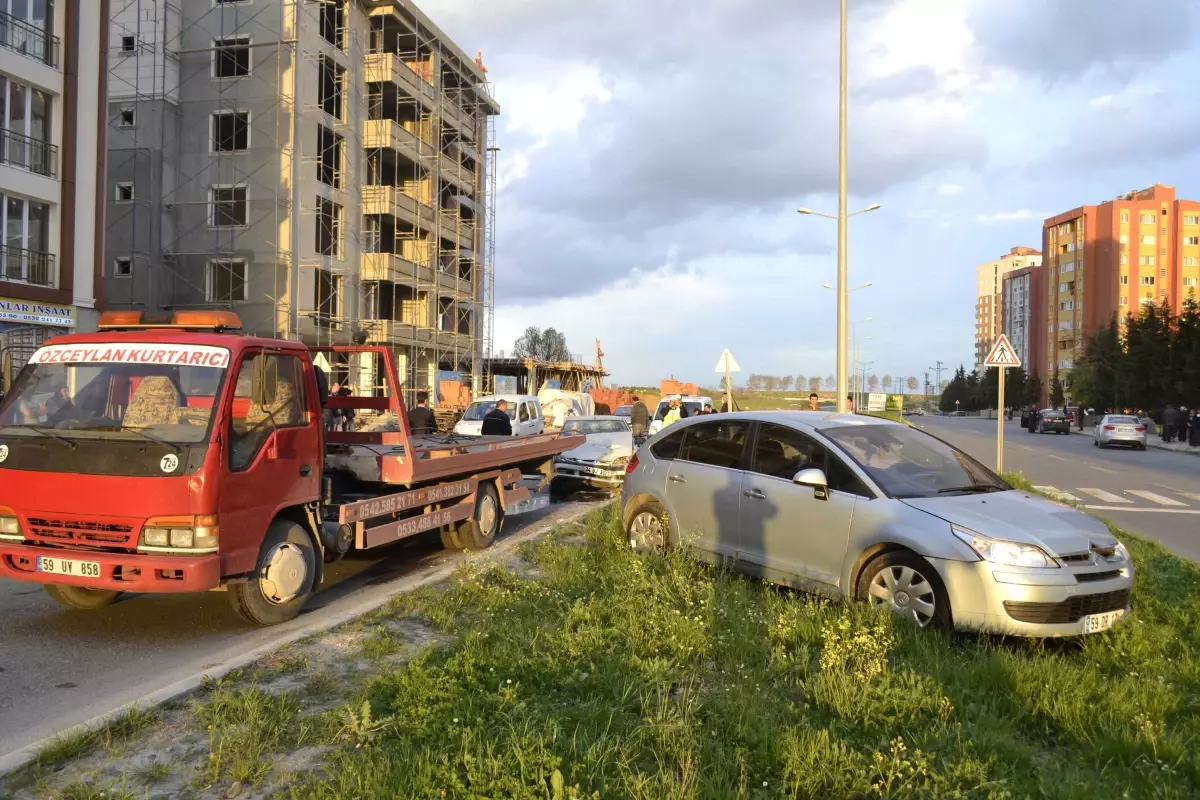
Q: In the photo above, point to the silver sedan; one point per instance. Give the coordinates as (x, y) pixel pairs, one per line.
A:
(871, 510)
(1119, 429)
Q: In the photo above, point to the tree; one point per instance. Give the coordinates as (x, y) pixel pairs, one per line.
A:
(1056, 392)
(872, 382)
(801, 382)
(785, 383)
(912, 383)
(542, 345)
(887, 383)
(830, 382)
(814, 383)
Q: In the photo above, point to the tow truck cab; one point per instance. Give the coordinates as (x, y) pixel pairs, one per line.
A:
(164, 454)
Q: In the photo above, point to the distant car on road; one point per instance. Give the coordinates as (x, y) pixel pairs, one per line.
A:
(877, 511)
(1051, 420)
(524, 411)
(623, 411)
(1119, 429)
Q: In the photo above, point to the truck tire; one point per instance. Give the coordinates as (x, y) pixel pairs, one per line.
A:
(478, 532)
(283, 578)
(81, 598)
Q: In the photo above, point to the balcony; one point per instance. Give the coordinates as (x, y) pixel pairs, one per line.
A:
(391, 68)
(385, 133)
(18, 150)
(393, 267)
(394, 201)
(458, 174)
(29, 266)
(28, 40)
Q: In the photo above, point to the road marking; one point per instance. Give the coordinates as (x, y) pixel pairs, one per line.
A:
(1051, 455)
(1146, 510)
(1107, 497)
(1155, 498)
(1102, 469)
(1050, 490)
(1190, 495)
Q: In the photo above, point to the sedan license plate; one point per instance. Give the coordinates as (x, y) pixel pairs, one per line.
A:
(68, 566)
(1094, 623)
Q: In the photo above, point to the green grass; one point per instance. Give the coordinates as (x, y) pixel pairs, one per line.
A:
(661, 677)
(120, 730)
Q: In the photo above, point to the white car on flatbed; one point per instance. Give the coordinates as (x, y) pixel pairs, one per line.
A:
(601, 460)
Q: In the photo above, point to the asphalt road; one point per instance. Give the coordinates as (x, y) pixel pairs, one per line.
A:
(1154, 493)
(59, 668)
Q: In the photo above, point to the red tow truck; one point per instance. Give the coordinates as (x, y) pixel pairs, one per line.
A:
(169, 453)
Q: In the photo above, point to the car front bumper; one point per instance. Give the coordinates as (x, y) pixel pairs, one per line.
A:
(595, 474)
(1043, 603)
(121, 572)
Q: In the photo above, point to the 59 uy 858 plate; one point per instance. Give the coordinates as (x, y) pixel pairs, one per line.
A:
(68, 566)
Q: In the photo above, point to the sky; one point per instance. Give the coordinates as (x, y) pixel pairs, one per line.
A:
(654, 153)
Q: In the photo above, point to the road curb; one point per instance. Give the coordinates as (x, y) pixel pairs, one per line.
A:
(10, 762)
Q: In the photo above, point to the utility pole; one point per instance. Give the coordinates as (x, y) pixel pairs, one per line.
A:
(937, 387)
(843, 284)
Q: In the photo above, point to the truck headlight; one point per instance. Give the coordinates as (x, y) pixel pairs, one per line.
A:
(195, 533)
(1000, 551)
(10, 526)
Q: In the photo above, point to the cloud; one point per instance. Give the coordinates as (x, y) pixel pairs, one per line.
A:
(949, 190)
(1006, 217)
(1139, 124)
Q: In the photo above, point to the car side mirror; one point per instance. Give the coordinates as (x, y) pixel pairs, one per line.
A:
(811, 477)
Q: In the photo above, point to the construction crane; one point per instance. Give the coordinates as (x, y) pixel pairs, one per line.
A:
(599, 366)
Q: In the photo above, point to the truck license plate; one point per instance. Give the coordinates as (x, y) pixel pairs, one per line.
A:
(1094, 623)
(68, 566)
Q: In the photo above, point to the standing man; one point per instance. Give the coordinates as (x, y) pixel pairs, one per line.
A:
(496, 421)
(1170, 420)
(725, 404)
(639, 418)
(421, 419)
(814, 402)
(672, 414)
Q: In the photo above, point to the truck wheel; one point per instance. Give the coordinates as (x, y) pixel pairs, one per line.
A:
(283, 579)
(81, 598)
(478, 532)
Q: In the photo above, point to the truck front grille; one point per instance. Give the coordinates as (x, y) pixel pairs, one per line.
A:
(91, 532)
(1070, 610)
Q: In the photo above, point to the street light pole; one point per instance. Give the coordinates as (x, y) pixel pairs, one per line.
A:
(843, 290)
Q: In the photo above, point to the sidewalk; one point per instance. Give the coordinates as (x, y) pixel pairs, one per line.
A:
(1152, 442)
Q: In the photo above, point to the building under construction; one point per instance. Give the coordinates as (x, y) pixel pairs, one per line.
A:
(320, 167)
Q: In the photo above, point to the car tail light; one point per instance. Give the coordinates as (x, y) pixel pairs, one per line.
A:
(1110, 427)
(632, 465)
(1140, 429)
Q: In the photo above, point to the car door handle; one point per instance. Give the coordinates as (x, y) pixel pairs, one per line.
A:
(305, 470)
(677, 479)
(755, 494)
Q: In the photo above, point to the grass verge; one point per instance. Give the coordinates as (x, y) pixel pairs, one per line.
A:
(583, 670)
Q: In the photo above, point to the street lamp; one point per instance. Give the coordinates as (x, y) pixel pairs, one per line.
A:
(810, 212)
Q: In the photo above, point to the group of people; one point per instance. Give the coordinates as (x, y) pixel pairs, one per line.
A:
(676, 411)
(1182, 425)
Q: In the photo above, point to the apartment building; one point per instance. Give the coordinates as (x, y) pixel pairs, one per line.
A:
(1015, 309)
(989, 296)
(1104, 261)
(319, 167)
(51, 172)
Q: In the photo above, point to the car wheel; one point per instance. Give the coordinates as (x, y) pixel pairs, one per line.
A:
(81, 598)
(283, 579)
(908, 585)
(1141, 447)
(649, 529)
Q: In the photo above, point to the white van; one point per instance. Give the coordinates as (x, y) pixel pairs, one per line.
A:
(524, 411)
(691, 404)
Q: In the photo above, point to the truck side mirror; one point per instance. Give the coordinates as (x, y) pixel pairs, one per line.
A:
(322, 385)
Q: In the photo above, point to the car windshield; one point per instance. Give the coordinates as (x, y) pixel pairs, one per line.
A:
(586, 426)
(905, 462)
(117, 391)
(477, 411)
(624, 411)
(690, 407)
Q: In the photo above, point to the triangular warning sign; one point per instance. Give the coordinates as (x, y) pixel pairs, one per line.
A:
(727, 363)
(1002, 354)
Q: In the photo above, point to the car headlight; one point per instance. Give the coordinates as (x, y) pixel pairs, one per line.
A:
(1000, 551)
(196, 533)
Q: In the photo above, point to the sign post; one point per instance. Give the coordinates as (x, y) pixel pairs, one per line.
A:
(728, 364)
(1002, 357)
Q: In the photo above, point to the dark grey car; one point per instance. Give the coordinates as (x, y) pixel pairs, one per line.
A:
(867, 509)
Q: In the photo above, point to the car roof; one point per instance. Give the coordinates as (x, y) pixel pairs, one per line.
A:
(611, 417)
(512, 398)
(687, 398)
(818, 420)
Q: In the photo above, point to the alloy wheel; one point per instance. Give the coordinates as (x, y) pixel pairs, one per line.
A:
(647, 532)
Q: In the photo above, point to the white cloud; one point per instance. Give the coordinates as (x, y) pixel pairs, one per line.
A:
(949, 190)
(1005, 217)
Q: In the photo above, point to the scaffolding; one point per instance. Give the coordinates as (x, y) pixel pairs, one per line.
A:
(321, 167)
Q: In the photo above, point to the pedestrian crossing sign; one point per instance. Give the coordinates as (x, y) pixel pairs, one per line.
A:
(1002, 354)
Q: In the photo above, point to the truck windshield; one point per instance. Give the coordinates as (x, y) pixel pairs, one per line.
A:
(121, 391)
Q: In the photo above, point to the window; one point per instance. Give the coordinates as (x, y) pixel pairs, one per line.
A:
(1146, 260)
(124, 192)
(228, 206)
(1124, 301)
(25, 120)
(272, 390)
(1190, 281)
(332, 88)
(126, 118)
(1124, 280)
(1124, 238)
(1148, 218)
(328, 298)
(1191, 240)
(523, 412)
(1163, 252)
(1124, 216)
(227, 280)
(128, 44)
(1192, 219)
(231, 57)
(1147, 238)
(668, 448)
(122, 267)
(1124, 258)
(333, 22)
(230, 131)
(1147, 280)
(717, 444)
(1191, 261)
(330, 150)
(26, 229)
(329, 228)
